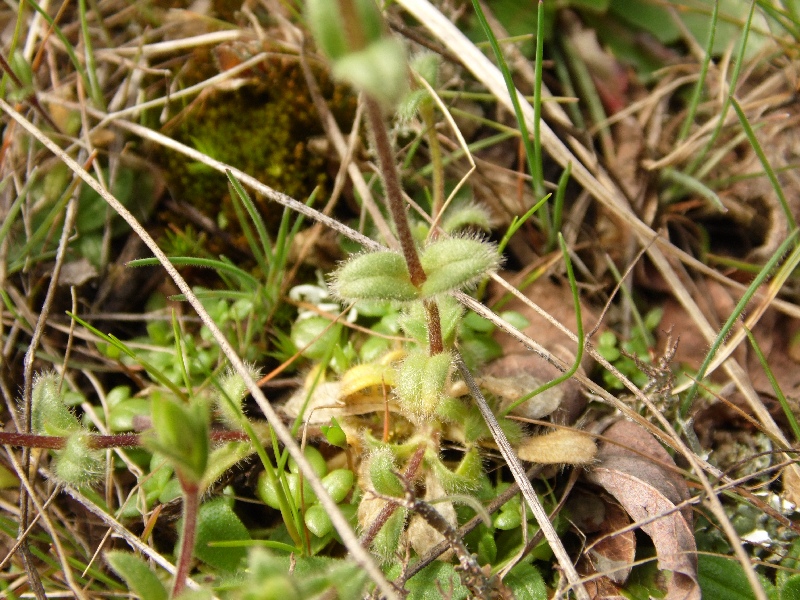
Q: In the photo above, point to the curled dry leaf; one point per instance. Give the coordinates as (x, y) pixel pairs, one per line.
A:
(635, 469)
(608, 554)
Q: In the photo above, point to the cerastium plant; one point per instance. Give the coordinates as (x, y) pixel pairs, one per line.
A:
(352, 34)
(419, 276)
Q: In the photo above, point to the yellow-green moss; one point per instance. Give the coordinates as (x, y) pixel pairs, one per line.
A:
(262, 128)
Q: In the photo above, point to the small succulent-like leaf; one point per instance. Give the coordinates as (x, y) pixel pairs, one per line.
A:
(421, 382)
(138, 576)
(318, 521)
(269, 494)
(374, 276)
(380, 70)
(314, 336)
(338, 483)
(456, 263)
(334, 434)
(49, 414)
(314, 458)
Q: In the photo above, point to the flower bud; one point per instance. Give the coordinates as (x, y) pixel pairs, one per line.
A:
(77, 464)
(421, 382)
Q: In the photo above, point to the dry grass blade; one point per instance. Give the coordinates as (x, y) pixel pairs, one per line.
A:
(524, 484)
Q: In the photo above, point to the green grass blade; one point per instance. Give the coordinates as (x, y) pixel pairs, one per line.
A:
(258, 222)
(205, 263)
(176, 333)
(637, 316)
(737, 68)
(288, 515)
(766, 271)
(11, 216)
(561, 192)
(122, 347)
(694, 102)
(255, 247)
(67, 45)
(94, 86)
(787, 410)
(694, 185)
(518, 222)
(773, 178)
(532, 150)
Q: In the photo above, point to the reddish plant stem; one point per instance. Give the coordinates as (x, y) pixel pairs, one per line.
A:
(388, 510)
(394, 194)
(394, 199)
(99, 442)
(435, 342)
(191, 502)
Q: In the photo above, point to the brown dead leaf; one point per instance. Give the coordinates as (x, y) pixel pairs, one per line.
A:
(635, 470)
(609, 556)
(613, 554)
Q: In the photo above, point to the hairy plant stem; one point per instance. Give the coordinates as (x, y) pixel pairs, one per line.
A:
(394, 200)
(394, 193)
(191, 502)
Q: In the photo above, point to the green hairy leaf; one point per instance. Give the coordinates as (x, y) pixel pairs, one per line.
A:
(374, 276)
